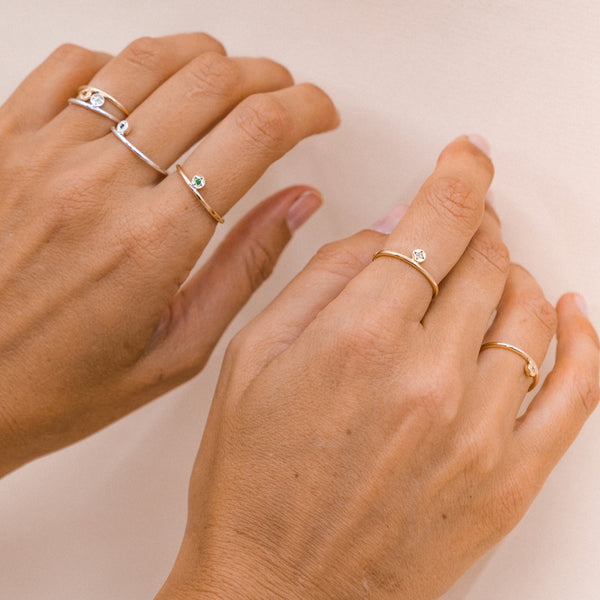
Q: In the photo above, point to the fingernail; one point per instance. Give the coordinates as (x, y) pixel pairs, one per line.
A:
(305, 206)
(386, 224)
(581, 304)
(481, 143)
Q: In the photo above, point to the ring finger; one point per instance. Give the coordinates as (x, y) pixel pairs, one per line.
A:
(525, 320)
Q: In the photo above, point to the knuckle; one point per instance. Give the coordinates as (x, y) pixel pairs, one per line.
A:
(260, 260)
(454, 199)
(72, 54)
(492, 251)
(438, 398)
(339, 258)
(211, 42)
(264, 121)
(535, 305)
(147, 52)
(213, 73)
(584, 390)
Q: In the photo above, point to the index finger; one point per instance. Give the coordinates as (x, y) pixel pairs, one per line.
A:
(441, 221)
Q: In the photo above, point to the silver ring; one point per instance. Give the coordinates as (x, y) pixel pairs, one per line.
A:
(96, 109)
(94, 99)
(119, 131)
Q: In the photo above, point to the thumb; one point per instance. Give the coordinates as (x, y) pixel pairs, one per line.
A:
(199, 313)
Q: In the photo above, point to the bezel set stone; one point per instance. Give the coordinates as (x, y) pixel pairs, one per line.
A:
(198, 182)
(419, 255)
(122, 127)
(97, 100)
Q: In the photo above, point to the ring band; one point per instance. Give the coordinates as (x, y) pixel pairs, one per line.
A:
(94, 98)
(86, 93)
(531, 368)
(196, 183)
(119, 131)
(96, 109)
(418, 256)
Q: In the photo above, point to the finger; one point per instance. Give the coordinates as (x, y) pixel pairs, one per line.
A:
(524, 319)
(187, 106)
(44, 92)
(442, 219)
(232, 157)
(199, 314)
(461, 315)
(318, 284)
(569, 395)
(132, 76)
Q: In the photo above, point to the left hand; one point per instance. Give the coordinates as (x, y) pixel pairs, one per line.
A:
(96, 246)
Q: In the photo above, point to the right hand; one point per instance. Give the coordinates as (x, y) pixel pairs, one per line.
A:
(359, 444)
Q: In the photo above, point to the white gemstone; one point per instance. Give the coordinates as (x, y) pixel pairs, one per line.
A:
(122, 127)
(97, 100)
(419, 255)
(531, 370)
(198, 182)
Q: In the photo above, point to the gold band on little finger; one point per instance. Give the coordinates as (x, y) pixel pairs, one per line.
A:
(195, 184)
(531, 368)
(418, 256)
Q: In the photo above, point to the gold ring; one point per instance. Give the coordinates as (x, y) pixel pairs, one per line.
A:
(418, 256)
(197, 183)
(96, 97)
(531, 369)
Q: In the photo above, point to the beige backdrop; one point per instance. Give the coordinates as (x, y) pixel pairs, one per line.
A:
(104, 518)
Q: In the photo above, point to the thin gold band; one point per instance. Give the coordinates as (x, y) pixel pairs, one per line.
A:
(209, 209)
(531, 369)
(86, 91)
(414, 264)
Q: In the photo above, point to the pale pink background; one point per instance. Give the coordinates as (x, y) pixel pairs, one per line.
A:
(104, 519)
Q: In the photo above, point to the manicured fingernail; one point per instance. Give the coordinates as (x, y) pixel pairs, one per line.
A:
(581, 304)
(387, 223)
(481, 143)
(305, 206)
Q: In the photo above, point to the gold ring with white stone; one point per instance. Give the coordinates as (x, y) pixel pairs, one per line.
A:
(119, 131)
(196, 183)
(418, 256)
(531, 369)
(94, 99)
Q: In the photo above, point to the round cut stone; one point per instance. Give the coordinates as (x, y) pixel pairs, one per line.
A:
(531, 370)
(97, 100)
(198, 182)
(122, 127)
(419, 255)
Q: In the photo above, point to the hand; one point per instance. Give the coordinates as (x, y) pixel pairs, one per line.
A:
(96, 244)
(360, 445)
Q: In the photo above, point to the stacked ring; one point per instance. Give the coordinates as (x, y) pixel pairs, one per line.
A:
(196, 183)
(418, 256)
(94, 99)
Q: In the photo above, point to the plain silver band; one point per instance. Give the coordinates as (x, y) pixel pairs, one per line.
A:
(96, 109)
(139, 153)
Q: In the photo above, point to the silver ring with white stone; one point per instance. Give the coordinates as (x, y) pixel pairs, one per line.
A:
(119, 131)
(94, 99)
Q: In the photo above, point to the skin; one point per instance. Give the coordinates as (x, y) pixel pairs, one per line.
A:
(360, 445)
(97, 247)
